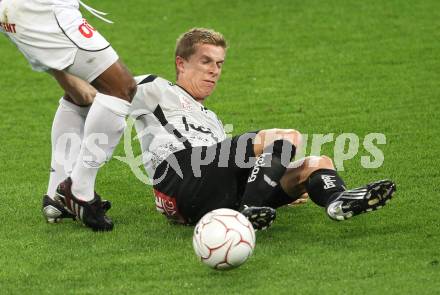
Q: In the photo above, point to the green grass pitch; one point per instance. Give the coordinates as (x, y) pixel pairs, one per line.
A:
(316, 66)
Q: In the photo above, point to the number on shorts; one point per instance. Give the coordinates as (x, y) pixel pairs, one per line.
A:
(86, 29)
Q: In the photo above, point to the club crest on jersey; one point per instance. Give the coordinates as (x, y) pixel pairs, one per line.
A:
(186, 102)
(329, 182)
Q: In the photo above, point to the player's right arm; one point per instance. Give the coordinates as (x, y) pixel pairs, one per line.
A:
(80, 91)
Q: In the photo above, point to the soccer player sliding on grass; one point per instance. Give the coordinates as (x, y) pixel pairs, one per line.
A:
(196, 168)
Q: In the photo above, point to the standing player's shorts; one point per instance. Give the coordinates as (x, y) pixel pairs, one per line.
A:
(52, 34)
(207, 178)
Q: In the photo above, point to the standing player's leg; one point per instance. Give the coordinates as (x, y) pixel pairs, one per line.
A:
(68, 127)
(102, 131)
(54, 36)
(105, 124)
(66, 137)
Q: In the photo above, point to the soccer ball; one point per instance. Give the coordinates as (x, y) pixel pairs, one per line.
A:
(223, 239)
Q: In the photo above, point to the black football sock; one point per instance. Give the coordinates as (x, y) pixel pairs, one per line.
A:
(267, 172)
(323, 186)
(279, 198)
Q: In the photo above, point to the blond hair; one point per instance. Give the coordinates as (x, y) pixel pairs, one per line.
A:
(187, 42)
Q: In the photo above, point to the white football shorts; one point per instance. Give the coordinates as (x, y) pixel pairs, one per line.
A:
(52, 34)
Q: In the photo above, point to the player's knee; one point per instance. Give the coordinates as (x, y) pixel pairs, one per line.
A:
(291, 135)
(130, 90)
(116, 81)
(294, 136)
(326, 163)
(268, 137)
(125, 89)
(314, 163)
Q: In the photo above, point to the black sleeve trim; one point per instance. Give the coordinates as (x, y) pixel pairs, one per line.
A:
(158, 113)
(149, 79)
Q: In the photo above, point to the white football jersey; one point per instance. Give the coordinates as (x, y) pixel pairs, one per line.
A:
(169, 119)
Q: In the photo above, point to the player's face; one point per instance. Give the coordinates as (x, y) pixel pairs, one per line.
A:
(200, 72)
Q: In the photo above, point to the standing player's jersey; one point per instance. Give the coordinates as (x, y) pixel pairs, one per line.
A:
(169, 119)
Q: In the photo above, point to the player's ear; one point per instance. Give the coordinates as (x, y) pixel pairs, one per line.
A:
(180, 64)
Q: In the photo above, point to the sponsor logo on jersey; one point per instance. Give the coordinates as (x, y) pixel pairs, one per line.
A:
(7, 27)
(167, 205)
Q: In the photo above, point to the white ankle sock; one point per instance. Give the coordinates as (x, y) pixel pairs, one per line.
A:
(103, 129)
(67, 132)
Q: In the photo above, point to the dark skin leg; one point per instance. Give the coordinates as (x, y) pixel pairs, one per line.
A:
(116, 81)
